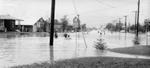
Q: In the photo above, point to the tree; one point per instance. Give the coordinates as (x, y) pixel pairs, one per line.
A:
(110, 26)
(119, 26)
(83, 27)
(142, 28)
(64, 21)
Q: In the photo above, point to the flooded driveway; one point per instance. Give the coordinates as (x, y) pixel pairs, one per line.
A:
(27, 48)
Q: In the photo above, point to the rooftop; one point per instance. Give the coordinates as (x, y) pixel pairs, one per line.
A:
(8, 17)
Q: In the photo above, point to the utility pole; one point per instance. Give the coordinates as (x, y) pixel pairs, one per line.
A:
(119, 27)
(135, 19)
(82, 31)
(147, 33)
(125, 26)
(52, 30)
(138, 16)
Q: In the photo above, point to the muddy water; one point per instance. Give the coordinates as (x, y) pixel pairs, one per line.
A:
(27, 48)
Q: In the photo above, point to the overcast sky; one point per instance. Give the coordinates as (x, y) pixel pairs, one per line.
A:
(92, 12)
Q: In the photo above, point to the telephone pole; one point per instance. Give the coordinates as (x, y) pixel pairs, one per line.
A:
(135, 19)
(119, 24)
(119, 27)
(52, 31)
(52, 22)
(125, 24)
(138, 16)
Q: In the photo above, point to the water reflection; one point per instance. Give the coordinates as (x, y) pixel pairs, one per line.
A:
(18, 35)
(51, 54)
(136, 40)
(100, 52)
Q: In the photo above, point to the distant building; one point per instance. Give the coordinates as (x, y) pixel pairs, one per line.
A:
(41, 26)
(57, 25)
(7, 23)
(25, 28)
(147, 23)
(44, 26)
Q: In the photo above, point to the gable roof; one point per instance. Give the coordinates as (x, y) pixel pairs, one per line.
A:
(41, 20)
(8, 17)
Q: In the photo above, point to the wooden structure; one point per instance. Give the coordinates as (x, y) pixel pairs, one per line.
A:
(7, 23)
(25, 28)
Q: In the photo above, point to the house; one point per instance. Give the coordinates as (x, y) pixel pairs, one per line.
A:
(57, 25)
(41, 26)
(7, 23)
(44, 26)
(147, 23)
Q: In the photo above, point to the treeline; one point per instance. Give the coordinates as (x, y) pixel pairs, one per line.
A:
(129, 28)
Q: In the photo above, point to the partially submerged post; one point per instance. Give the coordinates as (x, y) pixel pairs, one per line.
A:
(138, 16)
(125, 26)
(52, 31)
(119, 27)
(135, 20)
(81, 31)
(136, 41)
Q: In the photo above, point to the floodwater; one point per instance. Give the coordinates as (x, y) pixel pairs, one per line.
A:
(27, 48)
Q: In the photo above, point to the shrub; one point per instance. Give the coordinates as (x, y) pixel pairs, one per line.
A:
(100, 44)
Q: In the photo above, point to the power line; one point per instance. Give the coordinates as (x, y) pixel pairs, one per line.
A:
(101, 2)
(74, 6)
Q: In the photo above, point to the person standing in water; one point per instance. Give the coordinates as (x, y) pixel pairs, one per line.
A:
(56, 35)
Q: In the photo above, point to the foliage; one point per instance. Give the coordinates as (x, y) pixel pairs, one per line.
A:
(83, 27)
(110, 26)
(64, 21)
(119, 27)
(100, 44)
(116, 27)
(141, 28)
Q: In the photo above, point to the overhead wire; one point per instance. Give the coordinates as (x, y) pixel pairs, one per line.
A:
(76, 35)
(74, 6)
(76, 12)
(101, 2)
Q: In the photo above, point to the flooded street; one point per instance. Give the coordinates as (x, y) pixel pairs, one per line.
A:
(27, 48)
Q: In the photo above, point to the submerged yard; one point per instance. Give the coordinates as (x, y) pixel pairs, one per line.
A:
(23, 49)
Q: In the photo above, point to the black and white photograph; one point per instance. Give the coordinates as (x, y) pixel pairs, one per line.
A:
(74, 33)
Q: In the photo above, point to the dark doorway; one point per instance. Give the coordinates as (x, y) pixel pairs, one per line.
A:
(9, 25)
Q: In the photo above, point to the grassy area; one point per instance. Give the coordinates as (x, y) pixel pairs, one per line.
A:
(137, 50)
(94, 62)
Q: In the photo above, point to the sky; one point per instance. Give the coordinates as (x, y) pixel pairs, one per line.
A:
(92, 12)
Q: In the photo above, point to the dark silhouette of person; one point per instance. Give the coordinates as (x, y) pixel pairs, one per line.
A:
(65, 35)
(56, 35)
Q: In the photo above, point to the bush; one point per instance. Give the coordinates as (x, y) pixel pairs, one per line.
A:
(100, 44)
